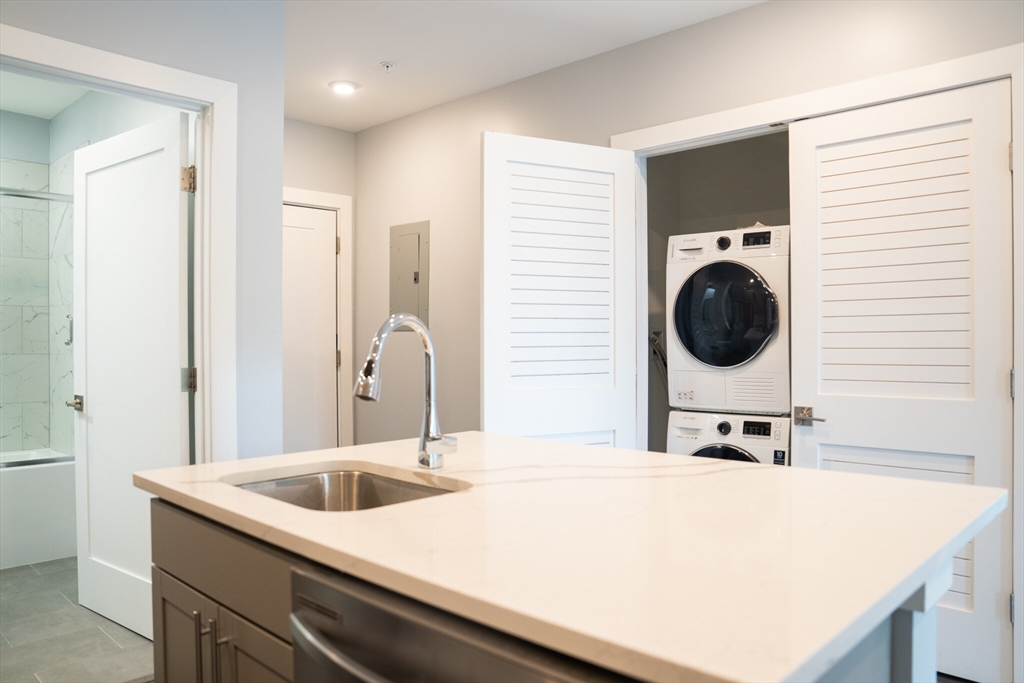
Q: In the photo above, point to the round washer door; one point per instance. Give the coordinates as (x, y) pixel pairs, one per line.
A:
(725, 314)
(724, 452)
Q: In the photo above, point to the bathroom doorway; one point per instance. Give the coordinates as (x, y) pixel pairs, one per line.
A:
(83, 320)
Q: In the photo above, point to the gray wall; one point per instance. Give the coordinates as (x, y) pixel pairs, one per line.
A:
(427, 166)
(96, 116)
(242, 43)
(319, 158)
(25, 138)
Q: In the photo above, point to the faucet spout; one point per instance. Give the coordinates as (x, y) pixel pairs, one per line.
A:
(433, 444)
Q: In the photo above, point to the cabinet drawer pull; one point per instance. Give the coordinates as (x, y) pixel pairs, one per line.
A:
(197, 621)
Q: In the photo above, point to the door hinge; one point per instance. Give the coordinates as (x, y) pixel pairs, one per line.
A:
(189, 380)
(1012, 605)
(188, 179)
(337, 358)
(337, 245)
(1011, 157)
(1013, 385)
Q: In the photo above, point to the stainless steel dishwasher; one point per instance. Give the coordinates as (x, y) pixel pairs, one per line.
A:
(345, 630)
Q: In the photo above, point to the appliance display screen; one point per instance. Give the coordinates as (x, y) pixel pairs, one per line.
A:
(757, 239)
(757, 428)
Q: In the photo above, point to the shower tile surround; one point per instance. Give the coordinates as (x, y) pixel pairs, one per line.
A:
(36, 259)
(61, 253)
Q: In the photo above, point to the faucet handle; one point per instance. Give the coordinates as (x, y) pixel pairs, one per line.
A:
(432, 455)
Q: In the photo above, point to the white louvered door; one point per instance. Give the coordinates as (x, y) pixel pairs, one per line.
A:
(559, 352)
(902, 321)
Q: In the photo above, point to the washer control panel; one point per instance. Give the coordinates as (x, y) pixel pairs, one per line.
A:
(765, 437)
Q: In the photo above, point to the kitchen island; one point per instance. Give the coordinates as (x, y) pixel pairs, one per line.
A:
(652, 566)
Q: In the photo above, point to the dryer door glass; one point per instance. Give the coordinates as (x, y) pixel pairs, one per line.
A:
(725, 314)
(724, 452)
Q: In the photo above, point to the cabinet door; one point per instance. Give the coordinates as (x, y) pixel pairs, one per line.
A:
(181, 631)
(248, 654)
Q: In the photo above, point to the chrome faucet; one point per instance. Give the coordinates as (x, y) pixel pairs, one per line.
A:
(433, 444)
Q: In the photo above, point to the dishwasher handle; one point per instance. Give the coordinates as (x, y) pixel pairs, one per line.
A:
(335, 664)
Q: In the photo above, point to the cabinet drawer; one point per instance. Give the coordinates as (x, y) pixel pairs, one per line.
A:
(250, 578)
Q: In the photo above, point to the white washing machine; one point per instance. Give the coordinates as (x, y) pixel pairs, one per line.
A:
(727, 304)
(747, 438)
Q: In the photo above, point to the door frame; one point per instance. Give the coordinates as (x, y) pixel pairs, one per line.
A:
(215, 253)
(767, 117)
(342, 206)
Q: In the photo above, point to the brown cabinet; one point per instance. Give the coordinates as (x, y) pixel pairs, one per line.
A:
(221, 602)
(181, 624)
(250, 654)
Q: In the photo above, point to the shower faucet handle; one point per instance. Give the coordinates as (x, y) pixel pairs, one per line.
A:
(78, 403)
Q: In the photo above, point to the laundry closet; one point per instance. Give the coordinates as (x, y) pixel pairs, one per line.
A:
(711, 191)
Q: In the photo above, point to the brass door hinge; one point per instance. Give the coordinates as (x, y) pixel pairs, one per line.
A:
(337, 245)
(188, 179)
(337, 358)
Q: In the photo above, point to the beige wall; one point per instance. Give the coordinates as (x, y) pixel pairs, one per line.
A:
(427, 166)
(319, 158)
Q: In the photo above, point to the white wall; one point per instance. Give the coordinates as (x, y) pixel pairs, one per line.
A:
(24, 138)
(427, 166)
(240, 42)
(319, 158)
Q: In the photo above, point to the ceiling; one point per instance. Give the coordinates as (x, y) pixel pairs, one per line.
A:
(35, 96)
(444, 50)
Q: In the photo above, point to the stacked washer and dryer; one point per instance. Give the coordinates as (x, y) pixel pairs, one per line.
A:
(727, 333)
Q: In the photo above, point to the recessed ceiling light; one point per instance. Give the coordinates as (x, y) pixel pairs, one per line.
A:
(344, 87)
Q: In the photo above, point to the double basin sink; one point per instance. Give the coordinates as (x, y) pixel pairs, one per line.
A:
(348, 487)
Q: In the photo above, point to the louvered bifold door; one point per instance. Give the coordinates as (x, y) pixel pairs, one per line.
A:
(902, 322)
(559, 291)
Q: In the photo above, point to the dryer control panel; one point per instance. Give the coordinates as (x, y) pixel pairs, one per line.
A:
(762, 239)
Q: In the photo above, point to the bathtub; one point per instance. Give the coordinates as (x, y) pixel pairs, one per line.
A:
(37, 507)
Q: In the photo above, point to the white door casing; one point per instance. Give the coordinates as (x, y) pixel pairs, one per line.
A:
(130, 302)
(902, 321)
(559, 356)
(310, 330)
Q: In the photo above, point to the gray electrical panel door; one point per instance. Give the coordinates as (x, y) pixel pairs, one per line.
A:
(410, 269)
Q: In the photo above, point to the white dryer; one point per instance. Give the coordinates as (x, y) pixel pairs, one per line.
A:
(747, 438)
(727, 304)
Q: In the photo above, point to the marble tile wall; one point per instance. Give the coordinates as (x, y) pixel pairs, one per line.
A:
(25, 284)
(61, 252)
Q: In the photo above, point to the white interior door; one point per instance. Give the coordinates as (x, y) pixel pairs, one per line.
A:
(310, 340)
(130, 299)
(559, 355)
(902, 321)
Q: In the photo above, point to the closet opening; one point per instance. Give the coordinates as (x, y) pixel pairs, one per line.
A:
(719, 187)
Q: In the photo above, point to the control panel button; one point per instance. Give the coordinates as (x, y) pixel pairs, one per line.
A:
(778, 243)
(778, 435)
(723, 243)
(724, 428)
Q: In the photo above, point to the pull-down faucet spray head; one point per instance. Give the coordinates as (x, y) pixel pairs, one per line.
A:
(433, 444)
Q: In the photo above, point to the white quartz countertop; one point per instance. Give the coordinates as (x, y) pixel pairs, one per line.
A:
(660, 567)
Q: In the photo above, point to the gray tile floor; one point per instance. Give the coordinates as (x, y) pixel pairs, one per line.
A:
(45, 635)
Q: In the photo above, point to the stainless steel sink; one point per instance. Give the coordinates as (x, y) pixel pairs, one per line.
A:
(342, 491)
